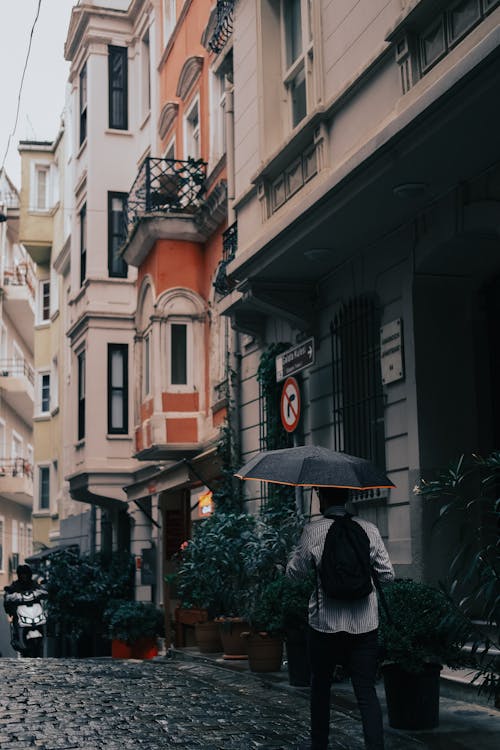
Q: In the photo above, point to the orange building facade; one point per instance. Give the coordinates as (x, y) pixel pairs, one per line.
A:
(176, 225)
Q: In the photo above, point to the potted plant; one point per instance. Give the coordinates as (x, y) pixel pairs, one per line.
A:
(134, 628)
(212, 575)
(419, 638)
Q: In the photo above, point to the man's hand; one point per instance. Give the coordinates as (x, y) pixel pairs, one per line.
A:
(10, 618)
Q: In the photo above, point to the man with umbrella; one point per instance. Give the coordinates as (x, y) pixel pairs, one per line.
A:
(341, 632)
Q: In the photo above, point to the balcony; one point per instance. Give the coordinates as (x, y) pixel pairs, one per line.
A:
(222, 284)
(17, 387)
(16, 480)
(223, 25)
(18, 284)
(164, 188)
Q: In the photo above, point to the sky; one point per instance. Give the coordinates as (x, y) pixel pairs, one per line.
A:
(43, 91)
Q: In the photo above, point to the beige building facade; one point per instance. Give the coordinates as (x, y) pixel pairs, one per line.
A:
(17, 306)
(112, 48)
(367, 200)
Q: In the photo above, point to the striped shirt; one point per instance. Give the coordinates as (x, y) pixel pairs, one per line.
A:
(329, 615)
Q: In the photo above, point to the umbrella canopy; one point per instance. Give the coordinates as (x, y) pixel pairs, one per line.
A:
(314, 466)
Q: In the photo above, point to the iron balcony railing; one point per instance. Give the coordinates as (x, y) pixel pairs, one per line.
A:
(15, 368)
(20, 275)
(166, 185)
(16, 467)
(223, 25)
(222, 284)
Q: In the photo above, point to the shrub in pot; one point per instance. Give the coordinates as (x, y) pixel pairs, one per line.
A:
(212, 575)
(135, 624)
(419, 639)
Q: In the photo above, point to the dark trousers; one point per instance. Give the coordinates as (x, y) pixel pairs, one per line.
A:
(358, 653)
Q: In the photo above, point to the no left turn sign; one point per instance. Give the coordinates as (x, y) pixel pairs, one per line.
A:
(290, 405)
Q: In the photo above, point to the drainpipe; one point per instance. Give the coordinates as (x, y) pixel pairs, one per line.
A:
(230, 150)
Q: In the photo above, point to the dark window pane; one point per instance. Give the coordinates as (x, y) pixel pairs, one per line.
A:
(117, 266)
(462, 17)
(178, 353)
(293, 31)
(118, 88)
(44, 496)
(118, 388)
(81, 396)
(299, 101)
(433, 44)
(83, 104)
(45, 385)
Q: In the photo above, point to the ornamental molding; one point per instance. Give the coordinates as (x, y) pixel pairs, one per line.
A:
(190, 72)
(167, 117)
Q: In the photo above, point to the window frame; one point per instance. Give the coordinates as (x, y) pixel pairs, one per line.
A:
(115, 122)
(41, 375)
(123, 274)
(83, 104)
(146, 74)
(83, 243)
(146, 365)
(44, 301)
(192, 134)
(43, 504)
(188, 386)
(81, 387)
(169, 12)
(123, 390)
(301, 65)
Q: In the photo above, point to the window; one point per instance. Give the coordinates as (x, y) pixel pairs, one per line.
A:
(15, 537)
(83, 104)
(146, 366)
(358, 395)
(145, 75)
(44, 392)
(42, 174)
(169, 18)
(117, 389)
(118, 84)
(218, 110)
(81, 396)
(44, 301)
(44, 487)
(54, 379)
(298, 55)
(83, 244)
(179, 354)
(117, 233)
(192, 132)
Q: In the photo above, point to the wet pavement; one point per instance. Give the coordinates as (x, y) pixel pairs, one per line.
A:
(108, 704)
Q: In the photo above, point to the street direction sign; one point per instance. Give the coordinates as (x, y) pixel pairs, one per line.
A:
(295, 359)
(290, 405)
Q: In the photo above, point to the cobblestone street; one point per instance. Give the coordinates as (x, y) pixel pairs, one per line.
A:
(117, 705)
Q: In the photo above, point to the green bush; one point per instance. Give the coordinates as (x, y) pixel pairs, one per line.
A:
(80, 589)
(279, 605)
(212, 574)
(423, 628)
(128, 621)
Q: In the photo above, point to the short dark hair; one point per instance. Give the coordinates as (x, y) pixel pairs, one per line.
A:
(333, 496)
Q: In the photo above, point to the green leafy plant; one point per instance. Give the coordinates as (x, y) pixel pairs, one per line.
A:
(129, 621)
(80, 588)
(279, 605)
(466, 494)
(423, 628)
(212, 574)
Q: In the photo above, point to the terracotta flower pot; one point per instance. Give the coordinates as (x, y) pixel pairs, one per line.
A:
(265, 652)
(233, 645)
(208, 637)
(120, 649)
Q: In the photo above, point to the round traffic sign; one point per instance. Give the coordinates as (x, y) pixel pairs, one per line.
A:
(290, 405)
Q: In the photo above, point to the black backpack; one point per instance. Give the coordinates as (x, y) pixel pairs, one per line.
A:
(345, 571)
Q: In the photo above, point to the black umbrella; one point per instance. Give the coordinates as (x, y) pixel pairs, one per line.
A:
(314, 466)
